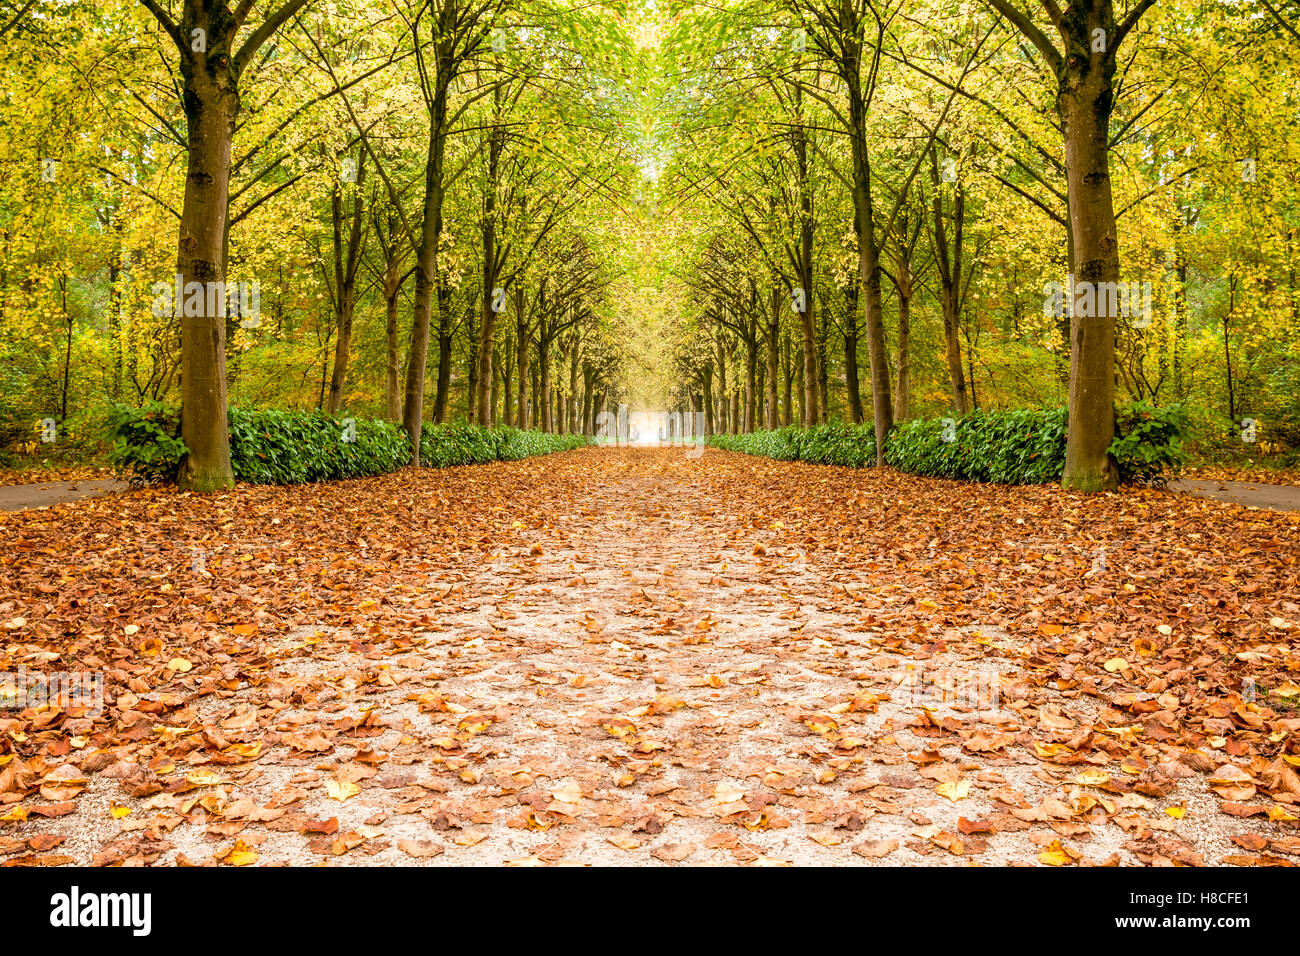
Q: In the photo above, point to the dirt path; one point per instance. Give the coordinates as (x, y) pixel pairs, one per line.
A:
(1250, 493)
(635, 657)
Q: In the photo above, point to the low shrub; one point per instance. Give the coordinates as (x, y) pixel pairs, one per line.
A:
(1020, 446)
(459, 443)
(145, 442)
(1149, 446)
(837, 443)
(516, 443)
(781, 444)
(275, 447)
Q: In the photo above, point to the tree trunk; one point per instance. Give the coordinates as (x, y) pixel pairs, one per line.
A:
(492, 403)
(1085, 102)
(393, 362)
(1180, 310)
(707, 398)
(868, 253)
(773, 333)
(721, 357)
(807, 322)
(809, 392)
(211, 103)
(588, 375)
(823, 399)
(507, 388)
(426, 270)
(851, 382)
(67, 349)
(443, 386)
(521, 336)
(787, 379)
(571, 411)
(903, 360)
(948, 259)
(952, 351)
(480, 410)
(751, 383)
(345, 281)
(544, 382)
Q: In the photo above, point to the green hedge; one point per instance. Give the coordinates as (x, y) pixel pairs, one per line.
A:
(1022, 447)
(459, 443)
(835, 443)
(146, 445)
(273, 447)
(1150, 443)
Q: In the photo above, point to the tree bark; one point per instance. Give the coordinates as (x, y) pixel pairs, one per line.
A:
(773, 332)
(442, 387)
(721, 358)
(522, 336)
(751, 384)
(346, 263)
(807, 321)
(426, 269)
(544, 382)
(706, 386)
(868, 252)
(392, 284)
(823, 398)
(211, 104)
(1085, 102)
(481, 409)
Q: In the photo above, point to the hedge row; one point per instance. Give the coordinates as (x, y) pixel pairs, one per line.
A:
(1020, 447)
(458, 443)
(272, 447)
(835, 443)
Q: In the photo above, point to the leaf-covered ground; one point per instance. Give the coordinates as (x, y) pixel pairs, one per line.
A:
(641, 657)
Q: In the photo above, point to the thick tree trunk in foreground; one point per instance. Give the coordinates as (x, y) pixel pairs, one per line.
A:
(211, 101)
(1085, 68)
(209, 68)
(1085, 103)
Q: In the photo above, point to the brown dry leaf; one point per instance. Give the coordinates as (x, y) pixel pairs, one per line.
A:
(421, 849)
(875, 849)
(241, 854)
(673, 852)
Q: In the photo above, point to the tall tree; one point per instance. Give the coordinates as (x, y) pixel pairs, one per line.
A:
(1083, 64)
(210, 65)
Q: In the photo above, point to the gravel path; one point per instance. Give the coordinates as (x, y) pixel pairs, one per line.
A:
(647, 659)
(43, 494)
(1249, 493)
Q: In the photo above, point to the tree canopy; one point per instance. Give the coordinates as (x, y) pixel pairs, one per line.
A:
(760, 211)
